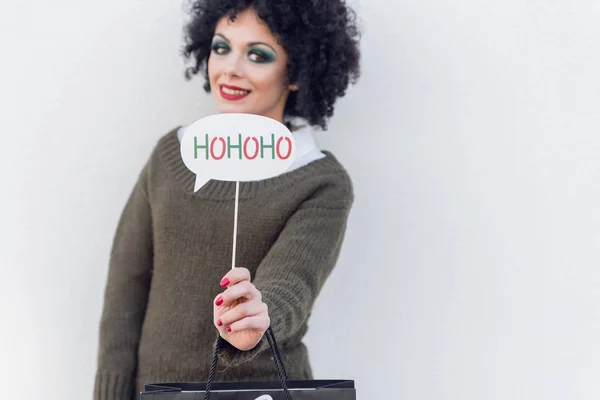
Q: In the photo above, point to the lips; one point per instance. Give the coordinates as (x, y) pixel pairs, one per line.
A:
(233, 92)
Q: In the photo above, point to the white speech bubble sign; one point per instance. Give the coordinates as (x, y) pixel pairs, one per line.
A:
(237, 147)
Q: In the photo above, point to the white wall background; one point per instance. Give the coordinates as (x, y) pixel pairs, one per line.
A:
(471, 265)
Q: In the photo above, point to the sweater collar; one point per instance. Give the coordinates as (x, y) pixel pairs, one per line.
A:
(169, 151)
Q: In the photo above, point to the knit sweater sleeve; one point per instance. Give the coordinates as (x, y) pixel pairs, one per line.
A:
(295, 269)
(125, 298)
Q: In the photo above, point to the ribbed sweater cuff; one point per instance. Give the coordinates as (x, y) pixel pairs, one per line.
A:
(231, 356)
(114, 386)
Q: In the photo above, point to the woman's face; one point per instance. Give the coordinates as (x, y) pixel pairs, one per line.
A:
(247, 68)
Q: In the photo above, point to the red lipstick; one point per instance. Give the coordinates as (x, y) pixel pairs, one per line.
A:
(241, 93)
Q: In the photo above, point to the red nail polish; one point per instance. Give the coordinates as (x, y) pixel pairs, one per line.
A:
(229, 329)
(219, 301)
(219, 323)
(225, 282)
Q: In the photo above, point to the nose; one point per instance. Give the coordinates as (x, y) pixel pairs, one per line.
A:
(233, 66)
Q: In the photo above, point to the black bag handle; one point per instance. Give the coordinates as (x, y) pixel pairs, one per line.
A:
(278, 361)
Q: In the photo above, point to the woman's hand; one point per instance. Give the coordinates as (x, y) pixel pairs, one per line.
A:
(239, 313)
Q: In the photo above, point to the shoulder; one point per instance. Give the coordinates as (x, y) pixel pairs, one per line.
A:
(332, 184)
(166, 140)
(164, 149)
(166, 144)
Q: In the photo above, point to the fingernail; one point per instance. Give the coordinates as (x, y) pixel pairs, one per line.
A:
(225, 282)
(229, 329)
(219, 301)
(219, 323)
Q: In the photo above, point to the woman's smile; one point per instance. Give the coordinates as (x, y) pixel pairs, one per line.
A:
(229, 92)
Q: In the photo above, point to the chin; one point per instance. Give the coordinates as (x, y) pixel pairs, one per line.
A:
(237, 108)
(234, 110)
(228, 108)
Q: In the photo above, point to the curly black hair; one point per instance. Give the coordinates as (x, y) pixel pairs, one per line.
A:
(320, 36)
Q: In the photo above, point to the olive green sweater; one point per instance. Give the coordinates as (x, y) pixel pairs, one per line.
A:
(172, 247)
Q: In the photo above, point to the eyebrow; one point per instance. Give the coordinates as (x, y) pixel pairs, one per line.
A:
(249, 44)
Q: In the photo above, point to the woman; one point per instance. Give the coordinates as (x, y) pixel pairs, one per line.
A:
(170, 292)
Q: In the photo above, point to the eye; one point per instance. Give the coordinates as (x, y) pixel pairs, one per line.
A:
(256, 57)
(220, 48)
(261, 56)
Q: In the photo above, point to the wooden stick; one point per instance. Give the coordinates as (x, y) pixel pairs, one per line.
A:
(235, 222)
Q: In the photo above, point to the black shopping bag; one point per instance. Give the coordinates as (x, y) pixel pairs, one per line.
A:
(283, 389)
